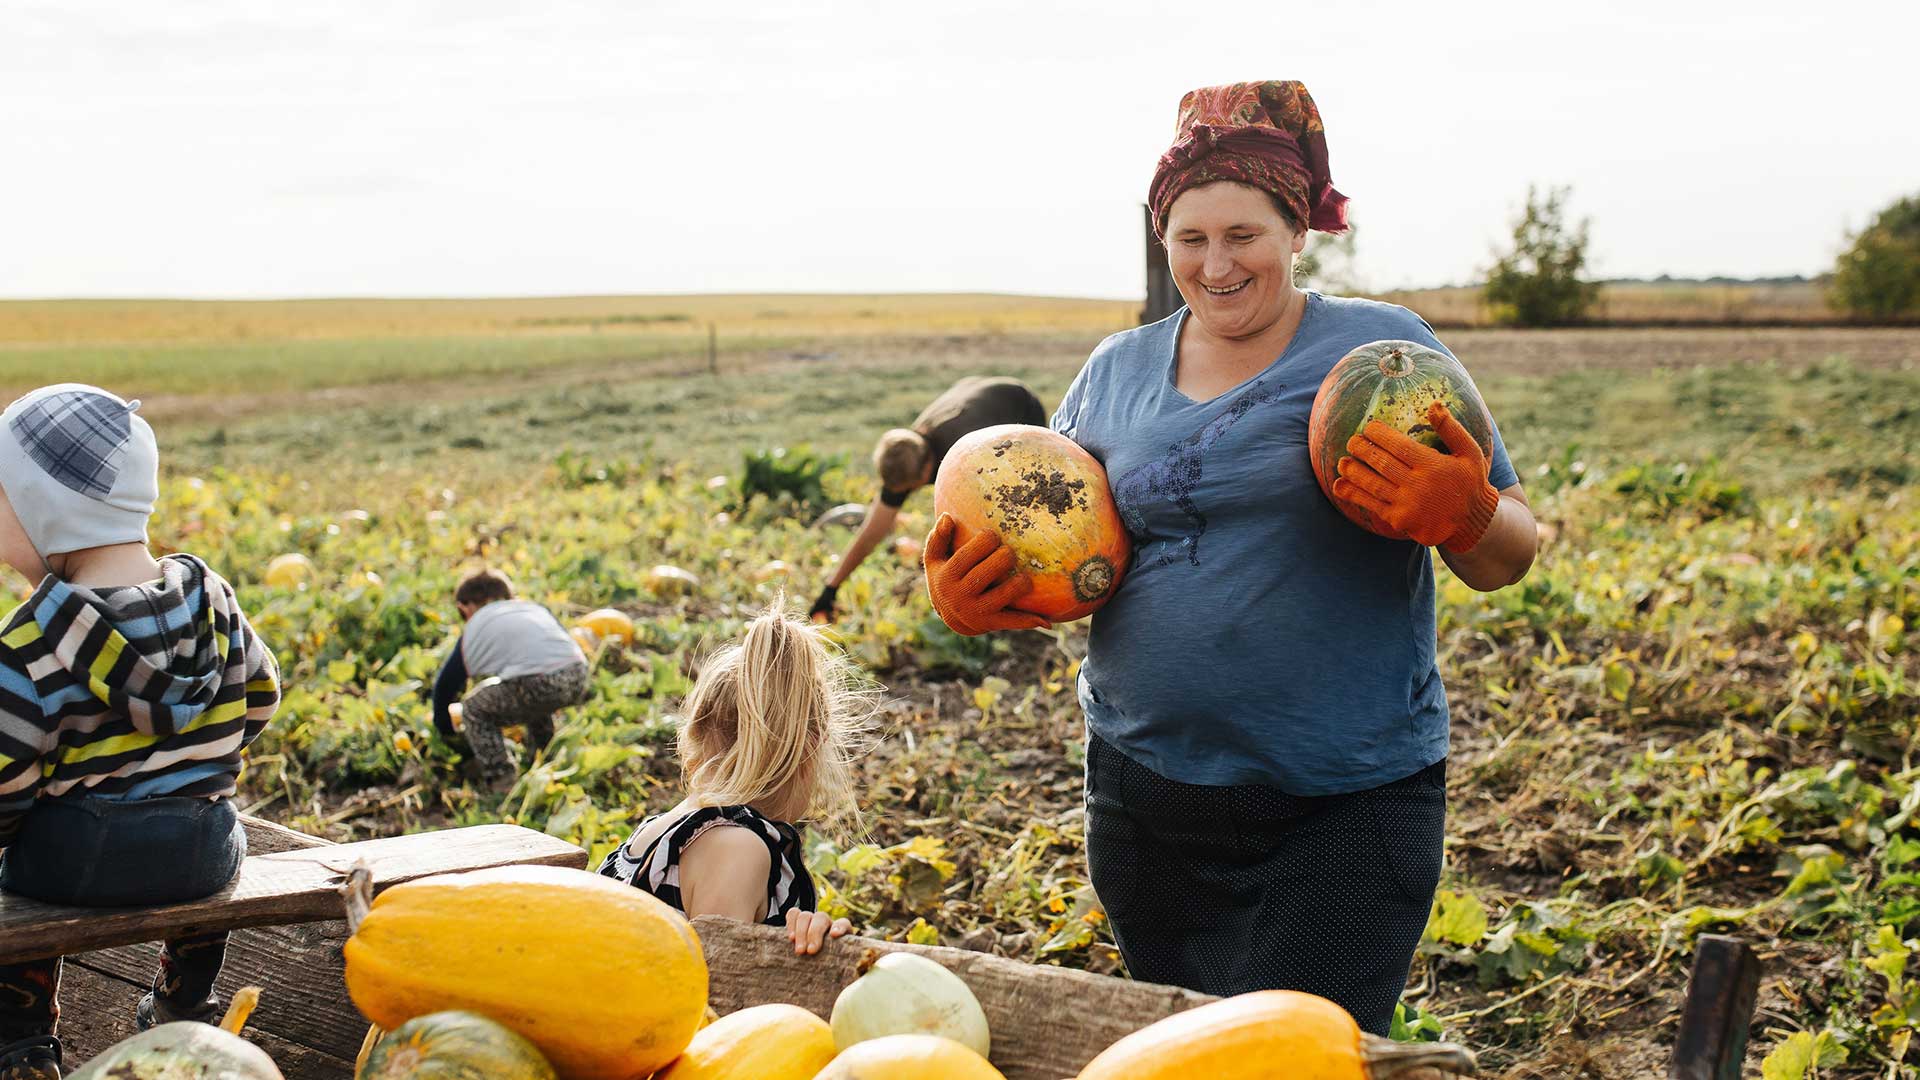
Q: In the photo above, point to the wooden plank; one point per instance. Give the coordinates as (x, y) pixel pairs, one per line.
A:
(266, 837)
(1047, 1022)
(1712, 1041)
(97, 1011)
(301, 885)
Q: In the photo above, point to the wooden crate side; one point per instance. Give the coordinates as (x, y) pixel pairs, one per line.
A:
(1046, 1022)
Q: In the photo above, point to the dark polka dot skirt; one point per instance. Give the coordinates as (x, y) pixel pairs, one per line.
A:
(1225, 890)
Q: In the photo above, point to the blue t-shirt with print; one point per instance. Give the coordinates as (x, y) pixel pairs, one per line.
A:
(1259, 637)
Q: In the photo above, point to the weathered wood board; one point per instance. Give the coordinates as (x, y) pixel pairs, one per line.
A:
(291, 886)
(1047, 1022)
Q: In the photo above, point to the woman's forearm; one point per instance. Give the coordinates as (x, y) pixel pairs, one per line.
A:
(1504, 554)
(880, 520)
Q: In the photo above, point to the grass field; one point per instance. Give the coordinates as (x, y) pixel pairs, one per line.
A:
(1700, 712)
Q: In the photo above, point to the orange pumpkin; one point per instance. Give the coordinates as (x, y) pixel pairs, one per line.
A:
(1268, 1033)
(1047, 499)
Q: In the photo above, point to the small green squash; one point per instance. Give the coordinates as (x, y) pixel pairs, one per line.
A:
(188, 1051)
(453, 1045)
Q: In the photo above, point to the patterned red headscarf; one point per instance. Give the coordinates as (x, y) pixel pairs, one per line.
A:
(1265, 134)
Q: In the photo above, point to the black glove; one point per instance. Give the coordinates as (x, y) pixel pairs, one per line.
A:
(822, 610)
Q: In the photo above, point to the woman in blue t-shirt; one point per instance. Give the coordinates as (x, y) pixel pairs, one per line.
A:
(1267, 731)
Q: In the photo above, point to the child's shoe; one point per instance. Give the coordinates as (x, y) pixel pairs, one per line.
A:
(154, 1010)
(37, 1058)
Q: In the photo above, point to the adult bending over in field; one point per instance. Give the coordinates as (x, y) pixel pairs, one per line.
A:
(1267, 731)
(909, 458)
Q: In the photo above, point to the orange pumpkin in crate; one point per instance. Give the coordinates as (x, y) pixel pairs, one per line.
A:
(1047, 499)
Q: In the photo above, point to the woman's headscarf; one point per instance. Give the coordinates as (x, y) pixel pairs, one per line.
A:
(1265, 134)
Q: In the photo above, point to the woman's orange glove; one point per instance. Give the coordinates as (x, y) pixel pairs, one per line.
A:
(971, 588)
(1437, 499)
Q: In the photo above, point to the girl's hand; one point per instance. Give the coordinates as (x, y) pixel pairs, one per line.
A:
(808, 930)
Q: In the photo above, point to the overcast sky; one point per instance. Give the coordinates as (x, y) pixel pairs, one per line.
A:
(247, 148)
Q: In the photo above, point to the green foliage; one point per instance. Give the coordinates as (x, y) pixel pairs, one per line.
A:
(1328, 263)
(1878, 276)
(791, 479)
(1412, 1024)
(1534, 941)
(1538, 282)
(1682, 488)
(1802, 1055)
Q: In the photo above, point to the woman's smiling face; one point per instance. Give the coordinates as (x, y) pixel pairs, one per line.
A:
(1231, 252)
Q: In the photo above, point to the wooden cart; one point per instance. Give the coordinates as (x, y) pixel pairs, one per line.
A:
(1047, 1022)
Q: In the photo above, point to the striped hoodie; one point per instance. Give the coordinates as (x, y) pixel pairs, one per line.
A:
(129, 693)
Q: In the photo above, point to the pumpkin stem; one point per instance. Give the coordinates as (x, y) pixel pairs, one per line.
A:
(357, 895)
(867, 960)
(238, 1010)
(1387, 1059)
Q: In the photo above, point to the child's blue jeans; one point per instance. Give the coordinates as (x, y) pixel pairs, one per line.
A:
(105, 853)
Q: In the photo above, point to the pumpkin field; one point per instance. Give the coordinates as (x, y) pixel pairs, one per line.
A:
(1699, 712)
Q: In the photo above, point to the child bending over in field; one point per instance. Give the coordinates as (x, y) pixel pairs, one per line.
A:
(768, 737)
(128, 688)
(532, 666)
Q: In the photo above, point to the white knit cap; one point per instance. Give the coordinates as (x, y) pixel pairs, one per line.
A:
(79, 466)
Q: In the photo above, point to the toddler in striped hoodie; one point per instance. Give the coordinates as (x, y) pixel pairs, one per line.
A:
(128, 688)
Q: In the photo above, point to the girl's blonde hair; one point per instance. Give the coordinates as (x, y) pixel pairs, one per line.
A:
(779, 707)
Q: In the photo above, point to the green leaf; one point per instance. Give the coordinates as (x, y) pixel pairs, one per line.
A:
(1459, 918)
(860, 858)
(1799, 1053)
(922, 933)
(1412, 1024)
(1619, 680)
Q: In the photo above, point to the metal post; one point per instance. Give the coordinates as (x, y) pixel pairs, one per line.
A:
(713, 350)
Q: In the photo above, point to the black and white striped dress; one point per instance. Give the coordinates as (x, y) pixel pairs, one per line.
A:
(656, 869)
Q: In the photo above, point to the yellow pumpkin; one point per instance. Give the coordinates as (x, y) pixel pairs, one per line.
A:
(664, 580)
(607, 981)
(289, 571)
(1244, 1037)
(911, 1057)
(775, 569)
(608, 623)
(585, 638)
(766, 1042)
(1047, 500)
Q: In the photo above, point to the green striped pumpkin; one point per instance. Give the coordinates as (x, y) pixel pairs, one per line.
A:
(1392, 382)
(454, 1045)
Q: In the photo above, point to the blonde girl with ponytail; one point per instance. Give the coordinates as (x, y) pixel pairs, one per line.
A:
(767, 741)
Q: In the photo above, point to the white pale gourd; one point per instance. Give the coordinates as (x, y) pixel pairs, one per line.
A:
(904, 994)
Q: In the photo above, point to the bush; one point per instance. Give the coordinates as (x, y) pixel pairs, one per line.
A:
(1538, 282)
(1879, 276)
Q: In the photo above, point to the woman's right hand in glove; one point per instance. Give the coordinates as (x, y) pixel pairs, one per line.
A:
(972, 588)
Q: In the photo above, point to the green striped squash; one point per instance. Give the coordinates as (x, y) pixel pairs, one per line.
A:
(454, 1045)
(1392, 382)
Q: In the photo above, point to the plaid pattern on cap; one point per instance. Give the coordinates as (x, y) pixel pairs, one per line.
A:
(79, 438)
